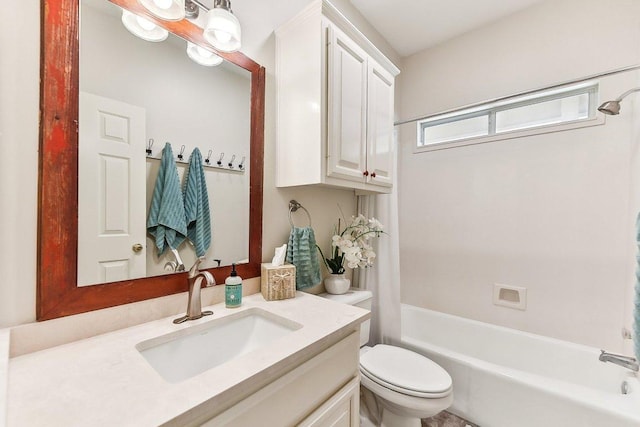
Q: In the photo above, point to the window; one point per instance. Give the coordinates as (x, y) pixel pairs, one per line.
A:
(511, 117)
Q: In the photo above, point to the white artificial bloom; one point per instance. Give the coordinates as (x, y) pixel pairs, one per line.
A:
(353, 242)
(345, 244)
(375, 225)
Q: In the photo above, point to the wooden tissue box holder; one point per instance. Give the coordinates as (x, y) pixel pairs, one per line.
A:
(279, 282)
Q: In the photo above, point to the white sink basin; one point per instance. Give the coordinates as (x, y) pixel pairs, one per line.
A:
(191, 351)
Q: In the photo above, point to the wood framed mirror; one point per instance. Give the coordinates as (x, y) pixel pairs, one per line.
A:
(57, 291)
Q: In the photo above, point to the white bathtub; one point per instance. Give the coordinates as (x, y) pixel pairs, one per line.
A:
(507, 378)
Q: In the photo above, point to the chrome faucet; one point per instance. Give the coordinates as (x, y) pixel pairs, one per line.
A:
(624, 361)
(194, 307)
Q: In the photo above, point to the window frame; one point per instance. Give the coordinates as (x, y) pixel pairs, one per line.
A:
(491, 108)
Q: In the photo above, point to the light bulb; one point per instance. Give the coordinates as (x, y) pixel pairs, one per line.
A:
(163, 4)
(145, 24)
(222, 36)
(202, 56)
(169, 10)
(143, 28)
(204, 52)
(223, 30)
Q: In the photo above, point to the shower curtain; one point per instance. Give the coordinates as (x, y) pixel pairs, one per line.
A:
(383, 279)
(636, 307)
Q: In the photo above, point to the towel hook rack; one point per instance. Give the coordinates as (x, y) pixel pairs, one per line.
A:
(208, 157)
(149, 147)
(293, 207)
(180, 156)
(219, 162)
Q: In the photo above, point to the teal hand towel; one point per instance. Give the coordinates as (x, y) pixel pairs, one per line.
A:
(196, 205)
(166, 221)
(302, 253)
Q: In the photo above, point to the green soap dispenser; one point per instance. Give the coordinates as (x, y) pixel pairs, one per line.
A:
(233, 289)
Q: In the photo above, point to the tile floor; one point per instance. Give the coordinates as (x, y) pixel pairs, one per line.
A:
(446, 419)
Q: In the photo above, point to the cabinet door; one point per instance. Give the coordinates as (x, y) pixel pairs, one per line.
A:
(341, 410)
(380, 133)
(347, 107)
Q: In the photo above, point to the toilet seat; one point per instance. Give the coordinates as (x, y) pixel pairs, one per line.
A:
(405, 371)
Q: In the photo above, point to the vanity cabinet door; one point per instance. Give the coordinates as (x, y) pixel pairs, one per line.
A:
(347, 108)
(341, 410)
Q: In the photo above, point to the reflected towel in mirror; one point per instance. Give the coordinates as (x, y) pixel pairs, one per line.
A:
(166, 220)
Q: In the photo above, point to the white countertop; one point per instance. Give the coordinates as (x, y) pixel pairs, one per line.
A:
(105, 381)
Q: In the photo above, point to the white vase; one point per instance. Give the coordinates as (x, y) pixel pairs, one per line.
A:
(337, 284)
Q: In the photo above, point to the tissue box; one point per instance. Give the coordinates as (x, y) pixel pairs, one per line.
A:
(278, 282)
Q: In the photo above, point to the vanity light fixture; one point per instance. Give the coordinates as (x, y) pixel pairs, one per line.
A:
(143, 28)
(202, 56)
(169, 10)
(223, 28)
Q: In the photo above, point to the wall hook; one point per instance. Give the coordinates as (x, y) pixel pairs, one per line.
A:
(208, 157)
(219, 162)
(149, 147)
(231, 161)
(241, 164)
(180, 156)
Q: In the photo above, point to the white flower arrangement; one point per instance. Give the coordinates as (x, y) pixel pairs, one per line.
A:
(351, 245)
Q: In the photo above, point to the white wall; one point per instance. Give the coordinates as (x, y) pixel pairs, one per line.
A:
(553, 213)
(19, 86)
(19, 89)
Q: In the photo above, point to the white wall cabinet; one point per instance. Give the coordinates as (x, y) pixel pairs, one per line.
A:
(335, 95)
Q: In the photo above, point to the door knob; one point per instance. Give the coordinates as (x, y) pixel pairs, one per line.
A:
(137, 247)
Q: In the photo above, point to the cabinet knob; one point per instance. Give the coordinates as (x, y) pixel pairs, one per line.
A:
(373, 174)
(365, 173)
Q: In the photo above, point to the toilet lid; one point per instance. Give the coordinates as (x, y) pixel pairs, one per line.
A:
(404, 371)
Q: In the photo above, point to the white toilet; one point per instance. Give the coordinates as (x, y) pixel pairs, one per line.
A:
(405, 385)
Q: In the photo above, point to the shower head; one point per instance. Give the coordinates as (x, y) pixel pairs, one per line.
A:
(612, 108)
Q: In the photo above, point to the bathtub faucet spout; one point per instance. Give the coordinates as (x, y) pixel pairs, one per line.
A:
(624, 361)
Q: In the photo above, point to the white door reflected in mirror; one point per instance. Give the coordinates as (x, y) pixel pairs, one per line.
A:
(111, 190)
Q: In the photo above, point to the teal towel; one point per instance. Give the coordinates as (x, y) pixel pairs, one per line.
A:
(636, 309)
(196, 205)
(302, 253)
(166, 220)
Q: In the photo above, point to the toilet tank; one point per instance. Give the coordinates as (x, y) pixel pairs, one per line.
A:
(359, 298)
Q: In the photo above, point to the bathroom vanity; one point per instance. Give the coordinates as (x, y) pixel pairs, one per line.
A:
(290, 362)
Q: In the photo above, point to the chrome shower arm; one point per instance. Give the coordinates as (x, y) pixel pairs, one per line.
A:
(627, 93)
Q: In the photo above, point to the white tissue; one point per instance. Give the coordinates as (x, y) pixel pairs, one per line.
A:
(278, 258)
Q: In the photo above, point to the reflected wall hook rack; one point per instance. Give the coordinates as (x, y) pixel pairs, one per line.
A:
(219, 166)
(149, 147)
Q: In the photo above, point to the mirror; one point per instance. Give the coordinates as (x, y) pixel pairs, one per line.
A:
(131, 92)
(58, 291)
